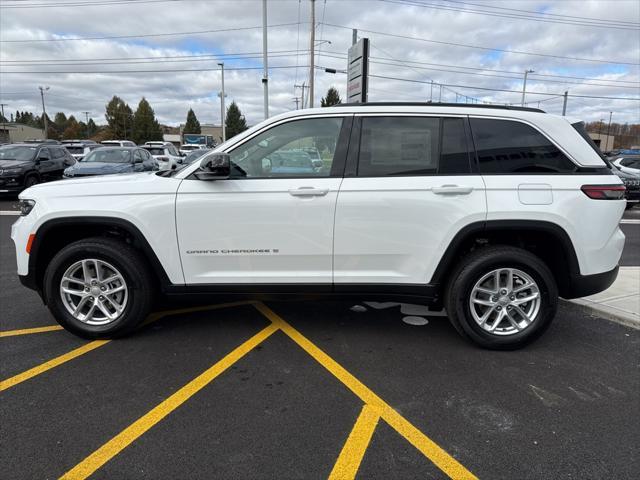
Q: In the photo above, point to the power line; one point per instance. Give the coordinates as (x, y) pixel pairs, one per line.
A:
(477, 47)
(167, 34)
(148, 71)
(494, 89)
(543, 13)
(597, 24)
(100, 3)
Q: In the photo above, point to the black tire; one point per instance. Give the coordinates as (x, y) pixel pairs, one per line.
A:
(129, 262)
(479, 263)
(30, 180)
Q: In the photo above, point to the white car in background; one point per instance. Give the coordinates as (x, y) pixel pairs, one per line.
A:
(629, 164)
(118, 143)
(166, 155)
(186, 149)
(80, 150)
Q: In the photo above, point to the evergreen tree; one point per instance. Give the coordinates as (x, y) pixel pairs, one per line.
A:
(192, 125)
(119, 117)
(74, 129)
(235, 122)
(18, 118)
(92, 128)
(60, 120)
(332, 98)
(145, 125)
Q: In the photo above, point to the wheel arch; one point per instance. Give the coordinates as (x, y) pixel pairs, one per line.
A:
(56, 233)
(547, 240)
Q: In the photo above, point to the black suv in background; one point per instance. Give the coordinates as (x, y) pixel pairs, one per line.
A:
(25, 164)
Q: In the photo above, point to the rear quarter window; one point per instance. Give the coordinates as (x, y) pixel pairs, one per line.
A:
(511, 147)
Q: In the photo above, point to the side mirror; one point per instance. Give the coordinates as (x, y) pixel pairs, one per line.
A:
(214, 167)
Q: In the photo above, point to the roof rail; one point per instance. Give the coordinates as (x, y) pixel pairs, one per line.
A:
(436, 104)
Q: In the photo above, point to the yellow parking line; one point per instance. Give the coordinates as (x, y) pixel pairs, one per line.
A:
(28, 331)
(32, 372)
(419, 440)
(356, 445)
(147, 421)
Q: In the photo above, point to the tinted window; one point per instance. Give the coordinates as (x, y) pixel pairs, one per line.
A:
(455, 152)
(280, 151)
(155, 151)
(398, 146)
(57, 153)
(505, 146)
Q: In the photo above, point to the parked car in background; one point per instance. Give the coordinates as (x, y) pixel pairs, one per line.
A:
(118, 143)
(23, 165)
(628, 164)
(186, 149)
(88, 142)
(194, 155)
(167, 156)
(80, 150)
(110, 160)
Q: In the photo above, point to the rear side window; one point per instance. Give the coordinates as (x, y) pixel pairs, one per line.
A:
(57, 153)
(406, 146)
(510, 147)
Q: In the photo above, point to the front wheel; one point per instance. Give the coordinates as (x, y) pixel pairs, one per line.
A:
(98, 288)
(501, 297)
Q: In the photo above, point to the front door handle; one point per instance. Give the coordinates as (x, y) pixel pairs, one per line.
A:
(308, 192)
(452, 190)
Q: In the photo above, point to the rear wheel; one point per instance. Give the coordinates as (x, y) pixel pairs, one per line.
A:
(501, 297)
(98, 288)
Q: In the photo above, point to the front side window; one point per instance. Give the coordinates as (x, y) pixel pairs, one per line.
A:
(283, 151)
(505, 146)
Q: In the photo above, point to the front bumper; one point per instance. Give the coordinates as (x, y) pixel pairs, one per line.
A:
(11, 184)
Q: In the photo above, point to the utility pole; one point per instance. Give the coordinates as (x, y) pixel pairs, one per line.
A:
(265, 75)
(524, 85)
(431, 97)
(608, 131)
(440, 99)
(564, 103)
(312, 46)
(600, 129)
(303, 86)
(222, 110)
(2, 105)
(86, 115)
(44, 112)
(296, 99)
(354, 36)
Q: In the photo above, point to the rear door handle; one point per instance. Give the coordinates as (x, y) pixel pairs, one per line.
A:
(308, 192)
(452, 190)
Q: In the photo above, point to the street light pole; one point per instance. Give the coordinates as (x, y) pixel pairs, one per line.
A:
(312, 47)
(265, 76)
(524, 85)
(44, 112)
(222, 109)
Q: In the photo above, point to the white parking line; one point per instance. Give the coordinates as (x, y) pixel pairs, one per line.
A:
(9, 213)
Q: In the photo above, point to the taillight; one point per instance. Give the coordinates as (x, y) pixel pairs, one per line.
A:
(604, 192)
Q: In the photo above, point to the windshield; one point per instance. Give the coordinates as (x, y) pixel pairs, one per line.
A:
(17, 153)
(108, 156)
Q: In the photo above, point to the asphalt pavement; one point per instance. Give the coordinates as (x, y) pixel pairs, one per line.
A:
(300, 389)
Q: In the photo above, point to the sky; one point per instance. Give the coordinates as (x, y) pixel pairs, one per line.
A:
(168, 51)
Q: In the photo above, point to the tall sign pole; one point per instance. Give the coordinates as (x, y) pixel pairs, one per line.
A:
(222, 110)
(265, 75)
(358, 71)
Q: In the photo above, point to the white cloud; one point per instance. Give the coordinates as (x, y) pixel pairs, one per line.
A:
(171, 94)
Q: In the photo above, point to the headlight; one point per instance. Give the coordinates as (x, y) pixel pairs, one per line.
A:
(26, 206)
(10, 171)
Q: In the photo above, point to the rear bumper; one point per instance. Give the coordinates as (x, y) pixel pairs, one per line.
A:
(584, 285)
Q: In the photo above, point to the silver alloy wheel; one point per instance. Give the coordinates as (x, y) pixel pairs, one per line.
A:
(94, 291)
(505, 301)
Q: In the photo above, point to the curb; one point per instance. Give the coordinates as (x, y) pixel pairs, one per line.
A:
(609, 313)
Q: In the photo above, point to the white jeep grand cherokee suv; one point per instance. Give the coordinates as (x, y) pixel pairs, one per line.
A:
(489, 212)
